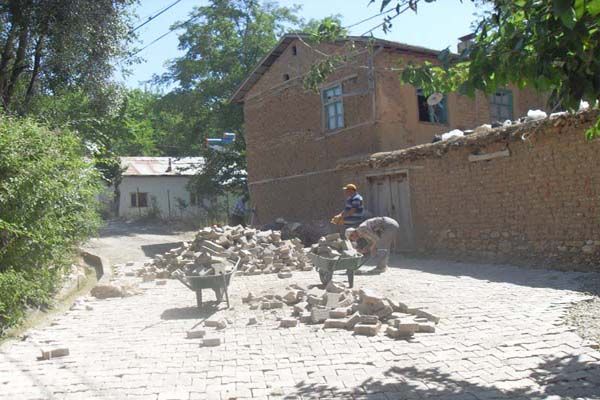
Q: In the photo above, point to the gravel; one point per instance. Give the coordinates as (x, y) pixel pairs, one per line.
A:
(585, 315)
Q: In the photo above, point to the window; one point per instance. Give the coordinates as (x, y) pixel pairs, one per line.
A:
(294, 50)
(139, 199)
(333, 108)
(437, 114)
(286, 77)
(501, 106)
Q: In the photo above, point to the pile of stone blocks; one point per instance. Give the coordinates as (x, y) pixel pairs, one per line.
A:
(362, 311)
(334, 246)
(260, 252)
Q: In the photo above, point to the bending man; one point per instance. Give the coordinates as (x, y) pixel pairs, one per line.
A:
(378, 234)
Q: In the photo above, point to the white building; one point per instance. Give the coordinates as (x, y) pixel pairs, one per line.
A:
(157, 185)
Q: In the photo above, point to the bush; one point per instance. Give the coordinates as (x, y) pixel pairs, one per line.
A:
(47, 207)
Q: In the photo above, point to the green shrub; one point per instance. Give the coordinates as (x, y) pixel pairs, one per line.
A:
(47, 207)
(20, 290)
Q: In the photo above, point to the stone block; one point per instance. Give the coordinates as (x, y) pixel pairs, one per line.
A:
(211, 342)
(333, 287)
(369, 319)
(252, 320)
(306, 317)
(332, 300)
(218, 323)
(54, 353)
(288, 323)
(291, 297)
(299, 308)
(284, 275)
(338, 313)
(149, 277)
(161, 282)
(314, 300)
(367, 329)
(384, 312)
(395, 333)
(318, 315)
(335, 323)
(276, 304)
(370, 297)
(426, 328)
(199, 334)
(407, 329)
(353, 320)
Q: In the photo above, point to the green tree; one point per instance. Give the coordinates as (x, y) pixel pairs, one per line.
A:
(223, 41)
(48, 46)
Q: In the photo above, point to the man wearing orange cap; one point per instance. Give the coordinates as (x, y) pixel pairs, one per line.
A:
(354, 212)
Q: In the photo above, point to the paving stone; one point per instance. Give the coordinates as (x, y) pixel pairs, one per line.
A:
(335, 323)
(318, 315)
(288, 323)
(211, 342)
(199, 334)
(367, 329)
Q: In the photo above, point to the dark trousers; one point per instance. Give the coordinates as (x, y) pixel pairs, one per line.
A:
(235, 220)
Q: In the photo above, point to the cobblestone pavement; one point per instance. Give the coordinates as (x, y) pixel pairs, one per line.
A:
(501, 336)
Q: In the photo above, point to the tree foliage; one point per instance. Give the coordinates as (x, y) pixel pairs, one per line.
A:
(52, 45)
(223, 42)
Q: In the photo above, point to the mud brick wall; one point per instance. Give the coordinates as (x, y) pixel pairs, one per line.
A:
(541, 203)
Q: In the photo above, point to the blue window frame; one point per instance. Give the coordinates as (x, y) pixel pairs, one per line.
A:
(333, 108)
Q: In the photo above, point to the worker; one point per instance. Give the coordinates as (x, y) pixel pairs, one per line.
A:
(375, 236)
(239, 211)
(354, 212)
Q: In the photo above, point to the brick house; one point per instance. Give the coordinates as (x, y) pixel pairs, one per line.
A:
(295, 137)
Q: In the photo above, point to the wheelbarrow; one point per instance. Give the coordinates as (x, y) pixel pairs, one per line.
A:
(327, 266)
(218, 283)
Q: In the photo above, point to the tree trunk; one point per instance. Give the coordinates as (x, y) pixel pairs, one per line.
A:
(7, 55)
(19, 65)
(36, 70)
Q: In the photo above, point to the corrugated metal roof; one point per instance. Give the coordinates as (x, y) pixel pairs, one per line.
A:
(161, 166)
(269, 59)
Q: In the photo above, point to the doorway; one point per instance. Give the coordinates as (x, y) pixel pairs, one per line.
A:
(389, 196)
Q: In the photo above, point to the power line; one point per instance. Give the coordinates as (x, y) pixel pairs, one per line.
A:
(171, 30)
(151, 17)
(408, 7)
(370, 18)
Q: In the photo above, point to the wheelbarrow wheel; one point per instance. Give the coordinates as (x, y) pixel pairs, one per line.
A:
(325, 276)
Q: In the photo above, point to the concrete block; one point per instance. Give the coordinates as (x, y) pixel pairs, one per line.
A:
(218, 323)
(314, 300)
(199, 334)
(276, 304)
(306, 317)
(284, 275)
(332, 300)
(291, 297)
(288, 323)
(407, 329)
(384, 312)
(299, 308)
(369, 296)
(395, 333)
(252, 320)
(161, 283)
(367, 329)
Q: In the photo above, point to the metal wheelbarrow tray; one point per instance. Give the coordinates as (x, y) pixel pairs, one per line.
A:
(218, 283)
(327, 266)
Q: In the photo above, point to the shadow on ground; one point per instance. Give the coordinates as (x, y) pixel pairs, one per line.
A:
(522, 276)
(151, 250)
(130, 228)
(565, 378)
(205, 312)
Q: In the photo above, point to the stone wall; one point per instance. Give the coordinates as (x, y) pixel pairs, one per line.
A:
(538, 202)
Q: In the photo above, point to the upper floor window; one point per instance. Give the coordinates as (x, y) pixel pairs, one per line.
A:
(437, 114)
(333, 108)
(501, 105)
(294, 50)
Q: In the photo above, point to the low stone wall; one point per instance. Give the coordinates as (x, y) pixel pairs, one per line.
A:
(528, 193)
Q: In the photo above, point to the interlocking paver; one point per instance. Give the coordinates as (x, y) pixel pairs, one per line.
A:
(501, 335)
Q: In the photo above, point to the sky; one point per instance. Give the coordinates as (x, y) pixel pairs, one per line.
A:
(436, 25)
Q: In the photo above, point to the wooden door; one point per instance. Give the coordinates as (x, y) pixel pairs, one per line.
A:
(389, 196)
